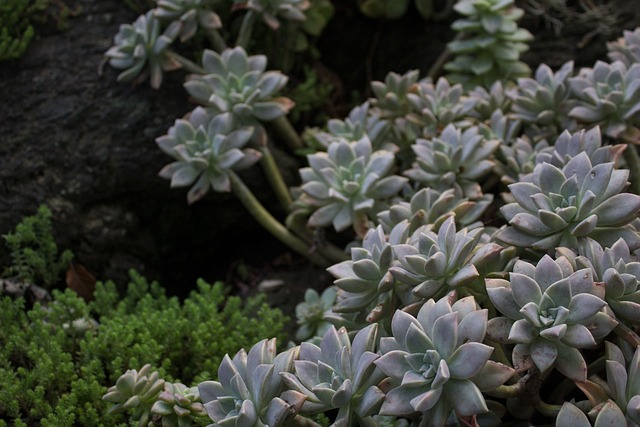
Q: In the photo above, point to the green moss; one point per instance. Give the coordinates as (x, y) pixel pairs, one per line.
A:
(56, 362)
(34, 253)
(16, 29)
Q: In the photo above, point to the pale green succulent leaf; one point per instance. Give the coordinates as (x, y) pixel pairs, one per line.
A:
(544, 353)
(465, 397)
(570, 415)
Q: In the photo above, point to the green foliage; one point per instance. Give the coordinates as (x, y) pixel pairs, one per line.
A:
(34, 253)
(57, 361)
(309, 96)
(16, 30)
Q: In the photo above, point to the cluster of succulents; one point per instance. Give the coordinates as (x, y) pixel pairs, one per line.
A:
(494, 236)
(192, 14)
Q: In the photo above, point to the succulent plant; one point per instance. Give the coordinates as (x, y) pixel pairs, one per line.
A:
(607, 95)
(437, 363)
(269, 10)
(435, 264)
(360, 122)
(617, 269)
(310, 313)
(136, 392)
(492, 46)
(560, 206)
(568, 145)
(518, 159)
(622, 408)
(545, 101)
(626, 49)
(190, 14)
(439, 105)
(550, 311)
(178, 405)
(428, 206)
(346, 184)
(141, 45)
(454, 158)
(236, 83)
(365, 284)
(501, 127)
(486, 102)
(206, 149)
(624, 382)
(339, 374)
(249, 390)
(392, 102)
(608, 414)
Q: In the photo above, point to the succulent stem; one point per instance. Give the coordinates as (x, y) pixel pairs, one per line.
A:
(188, 65)
(436, 67)
(567, 385)
(627, 334)
(244, 36)
(547, 409)
(328, 250)
(273, 226)
(216, 40)
(285, 130)
(508, 391)
(632, 137)
(275, 178)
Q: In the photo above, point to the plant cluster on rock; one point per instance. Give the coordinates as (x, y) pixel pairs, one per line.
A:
(493, 273)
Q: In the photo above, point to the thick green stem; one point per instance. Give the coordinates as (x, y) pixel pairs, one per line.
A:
(188, 65)
(567, 385)
(508, 391)
(631, 137)
(275, 178)
(297, 224)
(547, 410)
(287, 133)
(216, 40)
(244, 36)
(272, 225)
(300, 421)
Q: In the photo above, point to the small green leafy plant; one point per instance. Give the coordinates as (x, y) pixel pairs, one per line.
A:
(34, 254)
(56, 361)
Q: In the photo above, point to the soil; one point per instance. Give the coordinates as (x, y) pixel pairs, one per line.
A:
(84, 144)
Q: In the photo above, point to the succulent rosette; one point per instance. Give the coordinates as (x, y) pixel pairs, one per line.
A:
(607, 95)
(178, 405)
(454, 158)
(141, 45)
(310, 313)
(249, 391)
(206, 149)
(434, 264)
(366, 286)
(270, 10)
(437, 364)
(348, 183)
(339, 374)
(618, 270)
(360, 122)
(550, 311)
(135, 392)
(544, 99)
(440, 104)
(190, 13)
(238, 84)
(561, 206)
(626, 49)
(392, 102)
(486, 102)
(431, 207)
